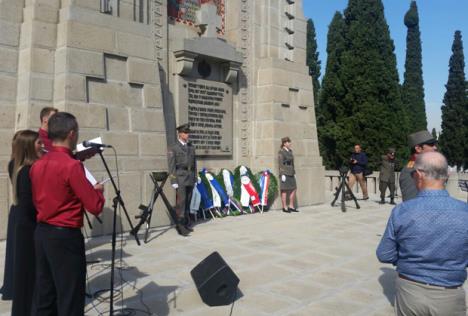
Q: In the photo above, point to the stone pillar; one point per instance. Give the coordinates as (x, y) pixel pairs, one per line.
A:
(36, 61)
(11, 17)
(284, 102)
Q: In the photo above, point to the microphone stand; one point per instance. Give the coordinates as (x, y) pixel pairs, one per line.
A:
(116, 201)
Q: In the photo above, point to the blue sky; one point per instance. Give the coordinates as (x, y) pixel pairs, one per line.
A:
(438, 22)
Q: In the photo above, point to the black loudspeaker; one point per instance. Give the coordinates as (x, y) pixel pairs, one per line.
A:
(215, 280)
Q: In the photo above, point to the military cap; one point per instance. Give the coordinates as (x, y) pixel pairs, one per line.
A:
(285, 140)
(184, 128)
(419, 138)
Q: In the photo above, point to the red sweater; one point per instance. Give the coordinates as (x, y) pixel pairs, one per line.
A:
(61, 191)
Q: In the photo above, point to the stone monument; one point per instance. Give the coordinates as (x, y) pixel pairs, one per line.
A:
(131, 70)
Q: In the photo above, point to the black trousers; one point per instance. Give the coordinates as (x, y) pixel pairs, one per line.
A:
(383, 187)
(183, 199)
(7, 288)
(60, 271)
(24, 273)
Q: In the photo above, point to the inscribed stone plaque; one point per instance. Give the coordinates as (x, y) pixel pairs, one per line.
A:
(207, 106)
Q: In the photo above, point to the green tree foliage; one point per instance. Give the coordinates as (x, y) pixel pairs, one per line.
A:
(330, 114)
(434, 133)
(412, 93)
(312, 59)
(453, 138)
(373, 112)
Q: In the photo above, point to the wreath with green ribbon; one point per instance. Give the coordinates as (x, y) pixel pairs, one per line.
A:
(237, 182)
(272, 187)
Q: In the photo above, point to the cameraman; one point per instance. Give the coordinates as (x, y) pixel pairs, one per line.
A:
(358, 163)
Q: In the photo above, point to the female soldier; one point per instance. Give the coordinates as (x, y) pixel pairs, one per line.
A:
(287, 175)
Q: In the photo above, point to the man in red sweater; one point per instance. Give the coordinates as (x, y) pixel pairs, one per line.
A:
(45, 114)
(61, 193)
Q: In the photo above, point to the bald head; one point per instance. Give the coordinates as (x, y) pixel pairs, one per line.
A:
(433, 164)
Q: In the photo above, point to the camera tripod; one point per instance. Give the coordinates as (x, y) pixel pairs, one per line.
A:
(159, 179)
(342, 190)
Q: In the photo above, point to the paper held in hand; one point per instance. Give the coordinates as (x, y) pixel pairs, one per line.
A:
(90, 177)
(85, 152)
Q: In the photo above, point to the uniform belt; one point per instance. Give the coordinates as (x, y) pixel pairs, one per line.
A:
(58, 227)
(287, 163)
(183, 168)
(401, 276)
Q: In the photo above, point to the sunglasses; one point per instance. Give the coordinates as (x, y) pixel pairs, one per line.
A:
(429, 144)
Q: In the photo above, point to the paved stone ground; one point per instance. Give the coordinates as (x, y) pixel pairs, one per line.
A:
(316, 262)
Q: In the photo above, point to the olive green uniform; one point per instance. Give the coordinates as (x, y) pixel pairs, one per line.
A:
(286, 167)
(182, 171)
(407, 185)
(387, 177)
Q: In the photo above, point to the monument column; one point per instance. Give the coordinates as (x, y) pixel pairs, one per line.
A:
(284, 102)
(36, 61)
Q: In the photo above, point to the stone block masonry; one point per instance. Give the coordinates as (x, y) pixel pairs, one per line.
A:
(120, 70)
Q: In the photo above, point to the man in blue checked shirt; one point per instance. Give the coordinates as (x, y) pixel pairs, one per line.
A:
(427, 240)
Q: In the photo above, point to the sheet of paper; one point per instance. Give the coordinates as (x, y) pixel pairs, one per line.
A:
(90, 177)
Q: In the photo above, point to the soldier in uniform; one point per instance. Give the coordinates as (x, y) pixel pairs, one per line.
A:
(419, 142)
(287, 175)
(387, 176)
(182, 174)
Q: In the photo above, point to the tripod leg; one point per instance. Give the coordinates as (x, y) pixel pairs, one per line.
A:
(354, 198)
(343, 193)
(169, 207)
(337, 194)
(150, 212)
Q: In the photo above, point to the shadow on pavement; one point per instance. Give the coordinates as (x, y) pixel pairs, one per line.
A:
(152, 299)
(387, 281)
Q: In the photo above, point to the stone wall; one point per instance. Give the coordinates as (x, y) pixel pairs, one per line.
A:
(11, 18)
(115, 68)
(100, 67)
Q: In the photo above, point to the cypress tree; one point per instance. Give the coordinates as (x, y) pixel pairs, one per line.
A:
(312, 59)
(465, 123)
(374, 115)
(412, 93)
(331, 136)
(434, 133)
(452, 139)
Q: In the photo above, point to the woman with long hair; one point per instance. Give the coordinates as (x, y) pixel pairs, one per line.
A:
(287, 175)
(7, 288)
(28, 148)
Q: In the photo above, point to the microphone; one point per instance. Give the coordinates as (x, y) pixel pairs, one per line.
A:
(87, 143)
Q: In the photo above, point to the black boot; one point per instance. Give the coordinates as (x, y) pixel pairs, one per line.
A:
(292, 209)
(392, 201)
(188, 227)
(181, 228)
(188, 222)
(286, 210)
(382, 201)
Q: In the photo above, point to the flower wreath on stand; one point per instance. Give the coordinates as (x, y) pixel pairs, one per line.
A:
(227, 175)
(238, 185)
(272, 188)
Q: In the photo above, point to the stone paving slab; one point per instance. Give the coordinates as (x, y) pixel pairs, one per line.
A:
(316, 262)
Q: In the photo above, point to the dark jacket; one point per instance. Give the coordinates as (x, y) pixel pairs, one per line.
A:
(387, 169)
(407, 185)
(361, 162)
(286, 162)
(182, 164)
